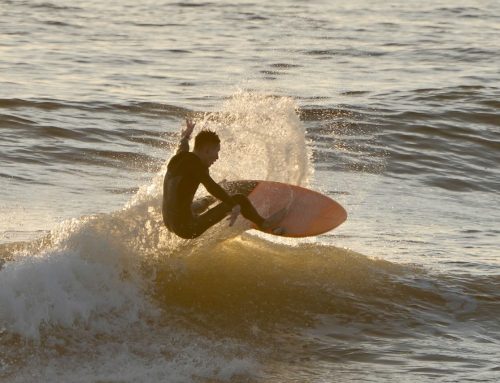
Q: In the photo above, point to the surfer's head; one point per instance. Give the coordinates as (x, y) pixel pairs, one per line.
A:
(207, 146)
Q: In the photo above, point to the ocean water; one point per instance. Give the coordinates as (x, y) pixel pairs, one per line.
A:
(391, 108)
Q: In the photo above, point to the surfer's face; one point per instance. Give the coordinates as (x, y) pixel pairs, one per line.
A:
(210, 154)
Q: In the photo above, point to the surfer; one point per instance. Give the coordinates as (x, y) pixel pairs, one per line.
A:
(185, 171)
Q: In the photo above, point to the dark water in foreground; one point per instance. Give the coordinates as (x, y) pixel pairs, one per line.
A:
(389, 108)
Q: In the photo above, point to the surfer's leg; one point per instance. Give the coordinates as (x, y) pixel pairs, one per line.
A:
(247, 209)
(219, 212)
(272, 222)
(211, 217)
(249, 212)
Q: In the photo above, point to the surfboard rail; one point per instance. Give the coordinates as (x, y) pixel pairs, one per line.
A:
(309, 213)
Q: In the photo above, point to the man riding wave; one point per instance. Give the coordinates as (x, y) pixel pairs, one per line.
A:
(185, 172)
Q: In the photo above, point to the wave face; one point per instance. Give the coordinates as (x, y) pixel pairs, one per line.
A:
(242, 307)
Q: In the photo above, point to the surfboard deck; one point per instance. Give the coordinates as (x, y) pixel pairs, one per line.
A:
(309, 213)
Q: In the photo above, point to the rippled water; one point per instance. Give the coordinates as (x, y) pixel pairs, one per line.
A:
(391, 108)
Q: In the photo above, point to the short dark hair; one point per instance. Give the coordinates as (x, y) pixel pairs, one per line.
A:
(206, 137)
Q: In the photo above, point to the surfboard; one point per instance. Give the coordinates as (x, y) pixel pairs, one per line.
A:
(309, 213)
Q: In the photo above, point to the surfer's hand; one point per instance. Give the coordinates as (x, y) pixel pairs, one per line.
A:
(234, 214)
(186, 133)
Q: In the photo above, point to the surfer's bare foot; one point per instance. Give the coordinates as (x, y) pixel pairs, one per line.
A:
(279, 231)
(272, 221)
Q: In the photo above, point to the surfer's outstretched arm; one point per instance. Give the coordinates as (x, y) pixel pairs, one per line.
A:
(185, 136)
(215, 189)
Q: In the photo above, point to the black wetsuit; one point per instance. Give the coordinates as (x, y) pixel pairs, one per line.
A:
(185, 172)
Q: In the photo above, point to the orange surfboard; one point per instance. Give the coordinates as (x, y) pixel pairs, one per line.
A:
(309, 213)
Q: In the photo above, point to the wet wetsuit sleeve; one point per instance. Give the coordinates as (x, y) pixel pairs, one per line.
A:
(215, 189)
